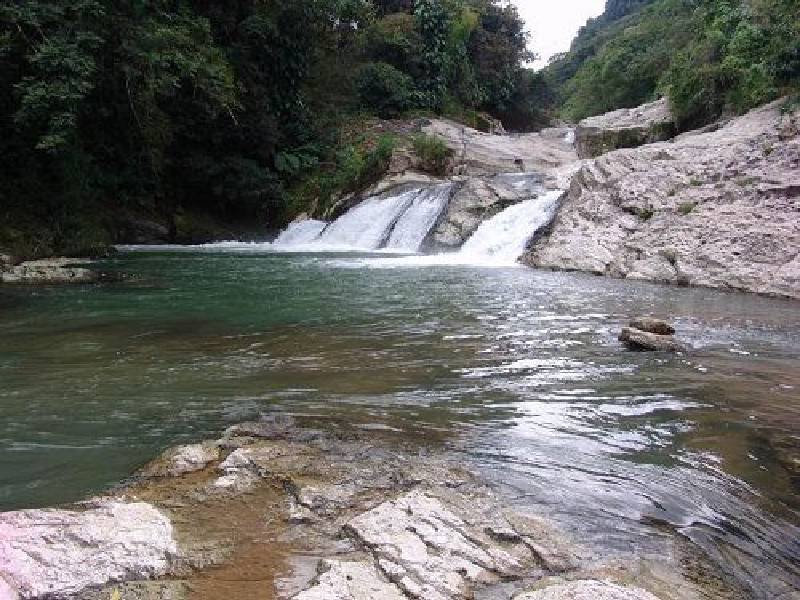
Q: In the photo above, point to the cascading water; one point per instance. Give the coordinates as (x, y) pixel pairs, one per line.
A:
(368, 225)
(503, 238)
(413, 227)
(300, 234)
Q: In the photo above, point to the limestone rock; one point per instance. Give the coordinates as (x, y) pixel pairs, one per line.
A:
(652, 325)
(481, 153)
(181, 460)
(48, 271)
(429, 551)
(55, 553)
(715, 209)
(587, 590)
(625, 128)
(643, 340)
(339, 580)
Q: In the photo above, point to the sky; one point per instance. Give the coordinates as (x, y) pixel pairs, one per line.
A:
(553, 23)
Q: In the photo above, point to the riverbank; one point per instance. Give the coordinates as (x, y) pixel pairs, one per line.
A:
(272, 510)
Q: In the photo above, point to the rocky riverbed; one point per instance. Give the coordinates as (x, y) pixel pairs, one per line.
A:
(272, 510)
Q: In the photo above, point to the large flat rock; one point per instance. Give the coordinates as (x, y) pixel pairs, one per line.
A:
(587, 590)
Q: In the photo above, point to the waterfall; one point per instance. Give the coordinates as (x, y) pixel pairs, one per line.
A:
(366, 226)
(503, 238)
(299, 234)
(414, 225)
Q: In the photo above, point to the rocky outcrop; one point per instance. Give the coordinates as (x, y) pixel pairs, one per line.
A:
(356, 517)
(56, 553)
(625, 128)
(717, 209)
(47, 271)
(477, 153)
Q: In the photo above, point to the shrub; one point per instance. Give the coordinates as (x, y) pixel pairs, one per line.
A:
(433, 152)
(385, 89)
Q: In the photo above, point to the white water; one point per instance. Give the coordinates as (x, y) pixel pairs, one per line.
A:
(498, 242)
(300, 233)
(416, 223)
(366, 226)
(400, 224)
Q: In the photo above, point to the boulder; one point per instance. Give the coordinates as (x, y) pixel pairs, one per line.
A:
(49, 271)
(717, 209)
(652, 325)
(636, 339)
(350, 581)
(57, 553)
(625, 128)
(587, 590)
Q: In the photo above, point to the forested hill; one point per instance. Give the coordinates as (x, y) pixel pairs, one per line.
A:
(245, 110)
(710, 57)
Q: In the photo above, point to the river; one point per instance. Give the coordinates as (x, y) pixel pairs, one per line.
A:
(517, 370)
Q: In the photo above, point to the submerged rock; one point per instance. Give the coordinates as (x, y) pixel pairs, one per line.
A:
(625, 128)
(637, 339)
(48, 271)
(716, 209)
(55, 553)
(587, 590)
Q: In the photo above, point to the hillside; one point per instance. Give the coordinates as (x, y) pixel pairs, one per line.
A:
(710, 57)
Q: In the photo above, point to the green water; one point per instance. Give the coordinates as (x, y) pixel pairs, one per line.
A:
(518, 370)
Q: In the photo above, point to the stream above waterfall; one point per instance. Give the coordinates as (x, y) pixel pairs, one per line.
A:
(516, 370)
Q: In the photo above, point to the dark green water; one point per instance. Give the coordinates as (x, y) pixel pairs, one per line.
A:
(518, 370)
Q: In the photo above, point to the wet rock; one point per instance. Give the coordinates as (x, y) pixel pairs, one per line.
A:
(48, 271)
(587, 590)
(270, 427)
(181, 460)
(339, 580)
(55, 553)
(652, 325)
(636, 339)
(625, 128)
(716, 209)
(430, 552)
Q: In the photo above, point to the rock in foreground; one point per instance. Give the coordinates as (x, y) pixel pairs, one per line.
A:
(587, 590)
(55, 553)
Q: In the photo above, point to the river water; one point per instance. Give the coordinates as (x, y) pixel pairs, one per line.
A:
(517, 370)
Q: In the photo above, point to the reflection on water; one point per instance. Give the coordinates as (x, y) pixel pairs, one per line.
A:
(518, 370)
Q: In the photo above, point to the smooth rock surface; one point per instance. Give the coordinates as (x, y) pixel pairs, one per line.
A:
(625, 128)
(55, 553)
(717, 209)
(479, 153)
(587, 590)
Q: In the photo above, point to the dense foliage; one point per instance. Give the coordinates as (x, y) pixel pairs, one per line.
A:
(710, 57)
(114, 111)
